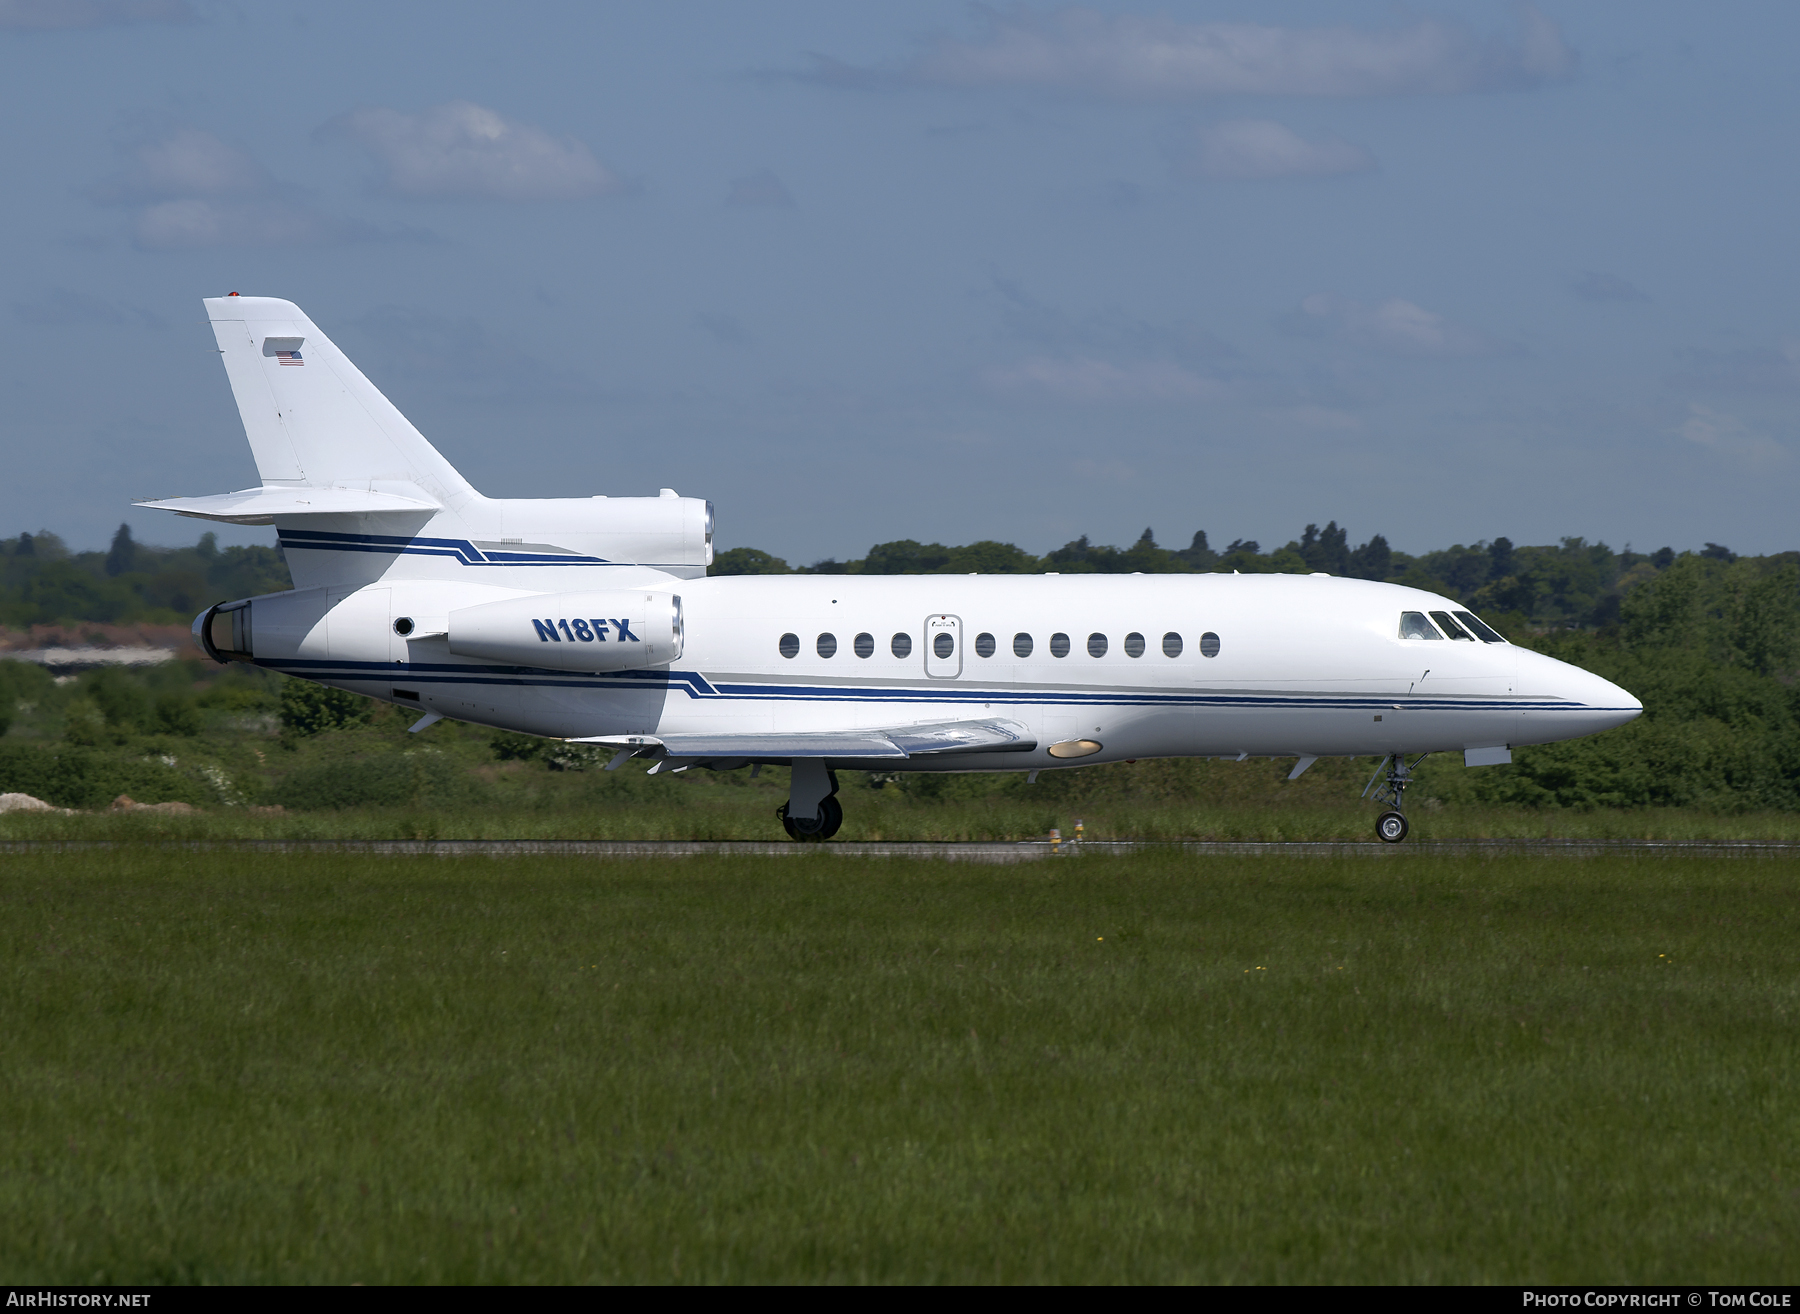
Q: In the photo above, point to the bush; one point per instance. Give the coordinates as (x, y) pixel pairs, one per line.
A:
(416, 777)
(177, 714)
(80, 778)
(310, 709)
(120, 695)
(22, 682)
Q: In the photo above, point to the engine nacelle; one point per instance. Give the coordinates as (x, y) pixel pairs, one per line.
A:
(606, 630)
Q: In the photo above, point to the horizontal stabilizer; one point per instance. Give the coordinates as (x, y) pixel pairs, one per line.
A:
(992, 736)
(260, 506)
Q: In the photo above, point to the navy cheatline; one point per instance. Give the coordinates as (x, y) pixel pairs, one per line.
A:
(697, 686)
(460, 549)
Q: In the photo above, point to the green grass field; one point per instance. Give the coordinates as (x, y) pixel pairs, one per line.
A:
(228, 1067)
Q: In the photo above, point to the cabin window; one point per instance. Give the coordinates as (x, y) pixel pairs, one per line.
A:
(1209, 644)
(944, 645)
(790, 645)
(1413, 625)
(1096, 645)
(827, 645)
(1021, 645)
(1481, 629)
(901, 646)
(864, 645)
(1171, 644)
(1450, 627)
(1059, 645)
(1134, 644)
(984, 645)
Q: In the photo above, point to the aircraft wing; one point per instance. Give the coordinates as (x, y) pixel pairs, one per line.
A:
(994, 735)
(260, 506)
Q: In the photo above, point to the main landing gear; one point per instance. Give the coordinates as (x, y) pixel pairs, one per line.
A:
(812, 811)
(1391, 826)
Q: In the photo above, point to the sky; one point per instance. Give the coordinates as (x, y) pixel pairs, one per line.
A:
(1440, 271)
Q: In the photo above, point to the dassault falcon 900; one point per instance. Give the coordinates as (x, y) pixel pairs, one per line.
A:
(591, 619)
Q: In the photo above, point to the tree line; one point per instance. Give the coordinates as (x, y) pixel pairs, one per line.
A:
(1571, 584)
(43, 583)
(1709, 640)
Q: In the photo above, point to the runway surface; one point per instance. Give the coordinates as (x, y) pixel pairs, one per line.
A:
(990, 852)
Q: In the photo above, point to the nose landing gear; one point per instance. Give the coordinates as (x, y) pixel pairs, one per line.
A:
(1391, 826)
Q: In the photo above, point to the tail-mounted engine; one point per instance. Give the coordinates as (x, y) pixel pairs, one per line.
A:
(224, 632)
(609, 630)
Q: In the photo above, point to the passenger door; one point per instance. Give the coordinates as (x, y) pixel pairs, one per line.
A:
(943, 647)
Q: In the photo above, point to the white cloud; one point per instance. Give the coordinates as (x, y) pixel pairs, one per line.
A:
(761, 188)
(1086, 379)
(200, 221)
(1728, 434)
(1393, 328)
(1160, 58)
(1750, 370)
(463, 150)
(1243, 149)
(727, 330)
(462, 357)
(1112, 472)
(190, 189)
(44, 15)
(1592, 286)
(1324, 419)
(61, 307)
(186, 162)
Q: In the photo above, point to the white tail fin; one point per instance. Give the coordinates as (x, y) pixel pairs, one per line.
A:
(313, 420)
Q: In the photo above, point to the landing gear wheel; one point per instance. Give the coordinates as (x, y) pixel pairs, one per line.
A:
(830, 818)
(1391, 827)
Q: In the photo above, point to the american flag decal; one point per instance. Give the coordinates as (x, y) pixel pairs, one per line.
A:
(289, 358)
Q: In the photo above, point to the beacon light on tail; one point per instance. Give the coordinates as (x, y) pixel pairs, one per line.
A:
(567, 617)
(608, 630)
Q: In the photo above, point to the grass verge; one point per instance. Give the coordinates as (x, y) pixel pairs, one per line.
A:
(295, 1068)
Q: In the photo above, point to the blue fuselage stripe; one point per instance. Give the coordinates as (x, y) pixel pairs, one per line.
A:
(697, 686)
(318, 540)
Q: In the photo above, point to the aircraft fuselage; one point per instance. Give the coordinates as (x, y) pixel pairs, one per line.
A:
(1141, 665)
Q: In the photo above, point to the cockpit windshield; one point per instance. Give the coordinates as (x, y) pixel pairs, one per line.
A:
(1481, 630)
(1413, 625)
(1450, 627)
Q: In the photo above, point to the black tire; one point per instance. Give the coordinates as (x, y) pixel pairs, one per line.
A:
(809, 831)
(833, 812)
(1391, 827)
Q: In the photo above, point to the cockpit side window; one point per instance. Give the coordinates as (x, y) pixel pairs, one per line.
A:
(1413, 625)
(1450, 627)
(1481, 629)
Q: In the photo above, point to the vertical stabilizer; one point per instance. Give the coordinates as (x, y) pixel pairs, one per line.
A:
(313, 420)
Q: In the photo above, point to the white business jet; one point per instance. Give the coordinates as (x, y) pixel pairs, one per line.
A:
(591, 619)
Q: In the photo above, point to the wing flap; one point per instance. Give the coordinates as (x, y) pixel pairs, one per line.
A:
(987, 736)
(995, 735)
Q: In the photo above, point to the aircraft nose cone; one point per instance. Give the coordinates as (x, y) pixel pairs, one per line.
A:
(1577, 702)
(1615, 702)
